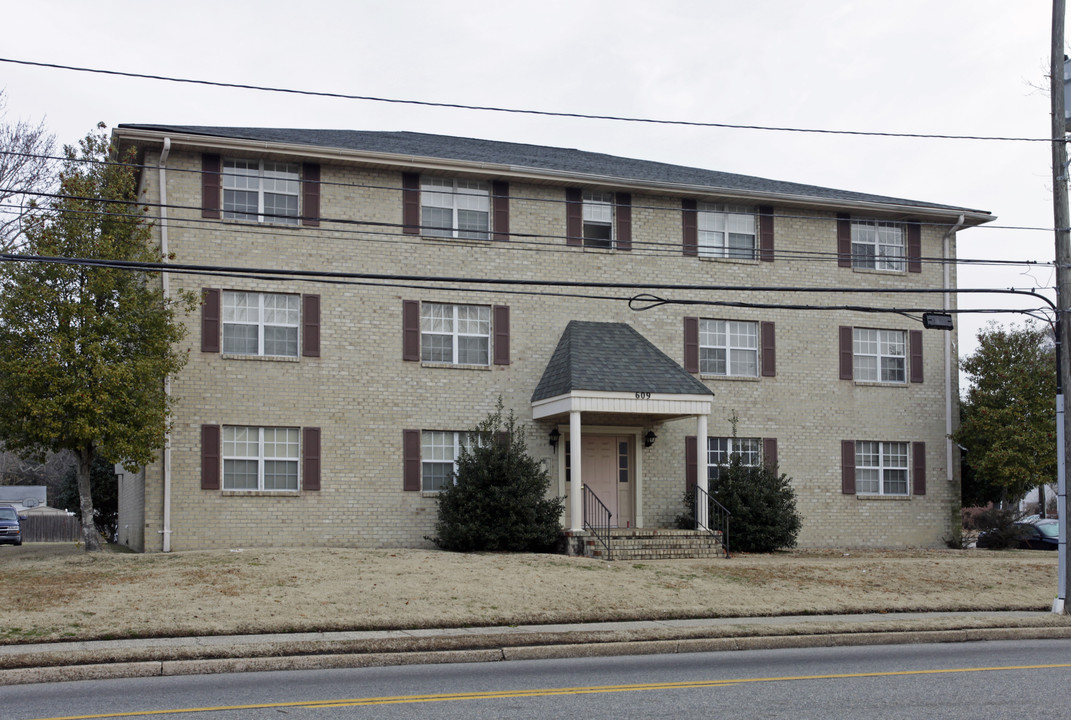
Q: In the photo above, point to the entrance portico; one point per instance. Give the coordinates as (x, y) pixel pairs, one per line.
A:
(605, 380)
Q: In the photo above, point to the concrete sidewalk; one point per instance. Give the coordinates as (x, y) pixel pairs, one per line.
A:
(51, 662)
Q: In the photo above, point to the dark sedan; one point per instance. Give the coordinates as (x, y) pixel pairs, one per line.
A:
(1037, 535)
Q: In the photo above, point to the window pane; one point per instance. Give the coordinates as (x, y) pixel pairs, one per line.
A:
(472, 350)
(472, 224)
(280, 475)
(437, 222)
(281, 341)
(240, 339)
(712, 361)
(239, 474)
(436, 348)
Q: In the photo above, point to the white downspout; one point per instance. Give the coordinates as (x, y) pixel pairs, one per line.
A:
(166, 532)
(949, 454)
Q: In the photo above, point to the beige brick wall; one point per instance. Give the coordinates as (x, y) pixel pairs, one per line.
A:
(361, 394)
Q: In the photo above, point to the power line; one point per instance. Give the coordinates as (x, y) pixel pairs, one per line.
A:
(518, 111)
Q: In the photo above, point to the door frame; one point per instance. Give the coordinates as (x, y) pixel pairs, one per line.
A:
(636, 433)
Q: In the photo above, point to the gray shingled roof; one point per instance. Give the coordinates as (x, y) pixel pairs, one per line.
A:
(612, 357)
(539, 157)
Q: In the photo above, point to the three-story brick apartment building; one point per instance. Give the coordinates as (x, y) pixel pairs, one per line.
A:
(328, 409)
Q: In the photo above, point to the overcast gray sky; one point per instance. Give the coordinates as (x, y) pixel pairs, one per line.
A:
(960, 67)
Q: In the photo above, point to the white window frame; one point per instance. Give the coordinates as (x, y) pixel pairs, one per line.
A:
(879, 465)
(267, 179)
(720, 451)
(438, 448)
(598, 213)
(879, 355)
(268, 315)
(267, 438)
(456, 322)
(879, 245)
(737, 339)
(721, 228)
(462, 198)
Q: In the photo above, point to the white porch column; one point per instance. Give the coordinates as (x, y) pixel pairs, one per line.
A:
(702, 510)
(576, 499)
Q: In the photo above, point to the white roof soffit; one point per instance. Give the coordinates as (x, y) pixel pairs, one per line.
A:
(623, 403)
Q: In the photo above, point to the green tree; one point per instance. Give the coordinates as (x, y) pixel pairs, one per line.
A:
(1008, 419)
(499, 498)
(84, 350)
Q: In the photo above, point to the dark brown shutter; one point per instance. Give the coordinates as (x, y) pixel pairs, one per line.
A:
(210, 452)
(310, 325)
(769, 453)
(847, 353)
(914, 344)
(690, 226)
(844, 240)
(918, 467)
(766, 234)
(691, 463)
(410, 203)
(574, 216)
(411, 460)
(623, 218)
(500, 209)
(210, 183)
(310, 448)
(914, 247)
(769, 353)
(210, 320)
(847, 467)
(411, 330)
(501, 349)
(691, 344)
(310, 191)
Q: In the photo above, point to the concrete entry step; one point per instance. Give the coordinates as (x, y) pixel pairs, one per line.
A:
(646, 544)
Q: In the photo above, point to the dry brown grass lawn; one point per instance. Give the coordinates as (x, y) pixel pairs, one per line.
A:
(57, 592)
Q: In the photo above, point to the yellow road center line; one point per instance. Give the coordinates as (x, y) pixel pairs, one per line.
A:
(545, 692)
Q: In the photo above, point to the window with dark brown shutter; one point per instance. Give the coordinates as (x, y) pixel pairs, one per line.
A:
(918, 469)
(411, 203)
(500, 209)
(691, 463)
(847, 362)
(310, 191)
(766, 233)
(210, 320)
(411, 460)
(501, 340)
(769, 354)
(914, 343)
(769, 453)
(210, 184)
(914, 247)
(844, 240)
(310, 449)
(211, 449)
(691, 344)
(574, 216)
(411, 330)
(623, 218)
(310, 325)
(690, 226)
(847, 467)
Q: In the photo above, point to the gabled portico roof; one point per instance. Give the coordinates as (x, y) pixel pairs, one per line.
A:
(610, 367)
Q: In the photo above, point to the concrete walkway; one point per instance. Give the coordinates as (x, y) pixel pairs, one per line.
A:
(51, 662)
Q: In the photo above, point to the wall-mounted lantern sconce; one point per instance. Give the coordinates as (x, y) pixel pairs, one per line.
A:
(554, 435)
(649, 438)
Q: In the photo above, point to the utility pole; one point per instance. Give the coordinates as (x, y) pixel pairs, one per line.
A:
(1062, 221)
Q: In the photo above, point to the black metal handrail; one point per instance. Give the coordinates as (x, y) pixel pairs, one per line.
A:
(717, 517)
(597, 519)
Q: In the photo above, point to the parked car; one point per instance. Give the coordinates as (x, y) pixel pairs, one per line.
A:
(1036, 535)
(10, 525)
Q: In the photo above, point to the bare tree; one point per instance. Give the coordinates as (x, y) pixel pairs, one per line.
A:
(26, 168)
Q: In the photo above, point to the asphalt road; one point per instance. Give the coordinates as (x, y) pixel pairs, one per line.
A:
(996, 680)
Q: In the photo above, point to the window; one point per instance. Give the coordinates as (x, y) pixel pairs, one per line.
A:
(260, 458)
(879, 355)
(261, 190)
(261, 323)
(598, 219)
(439, 451)
(729, 347)
(455, 208)
(458, 334)
(881, 468)
(725, 231)
(721, 450)
(878, 245)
